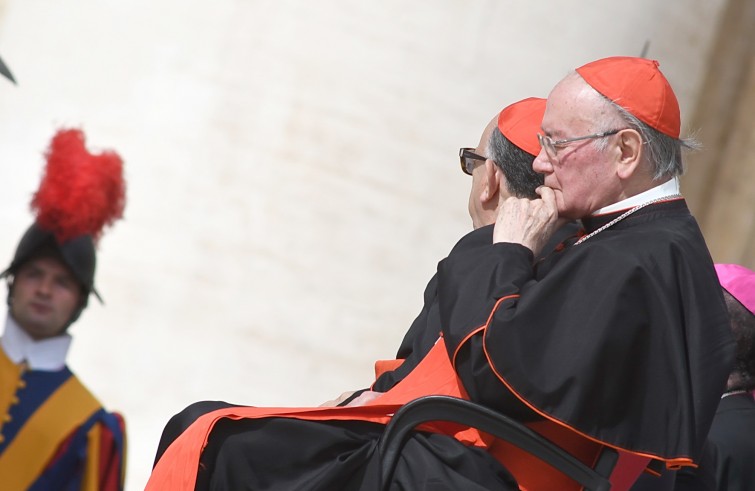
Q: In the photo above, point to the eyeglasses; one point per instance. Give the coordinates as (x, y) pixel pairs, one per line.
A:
(552, 146)
(467, 157)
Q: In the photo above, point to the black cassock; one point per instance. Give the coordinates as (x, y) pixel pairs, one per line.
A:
(733, 442)
(624, 338)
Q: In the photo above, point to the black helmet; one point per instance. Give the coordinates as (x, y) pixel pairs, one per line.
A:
(78, 254)
(80, 194)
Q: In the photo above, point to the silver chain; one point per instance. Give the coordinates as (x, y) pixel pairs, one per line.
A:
(621, 217)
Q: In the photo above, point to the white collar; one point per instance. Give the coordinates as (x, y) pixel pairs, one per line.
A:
(46, 354)
(668, 188)
(734, 393)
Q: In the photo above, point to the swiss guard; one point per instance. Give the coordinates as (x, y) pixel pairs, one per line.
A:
(54, 434)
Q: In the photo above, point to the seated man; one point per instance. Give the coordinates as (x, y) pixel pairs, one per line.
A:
(510, 143)
(586, 344)
(55, 433)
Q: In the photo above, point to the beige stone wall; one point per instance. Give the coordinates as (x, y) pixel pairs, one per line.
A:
(292, 170)
(721, 182)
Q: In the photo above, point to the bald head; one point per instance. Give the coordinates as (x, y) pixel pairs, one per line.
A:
(507, 171)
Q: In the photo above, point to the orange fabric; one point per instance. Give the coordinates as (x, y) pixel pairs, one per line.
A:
(674, 463)
(627, 470)
(434, 375)
(382, 366)
(93, 463)
(520, 122)
(532, 473)
(38, 440)
(112, 464)
(10, 376)
(637, 85)
(177, 468)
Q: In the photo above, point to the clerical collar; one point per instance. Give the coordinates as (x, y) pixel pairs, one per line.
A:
(668, 188)
(47, 354)
(734, 393)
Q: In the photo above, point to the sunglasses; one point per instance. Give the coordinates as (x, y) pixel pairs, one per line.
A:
(467, 157)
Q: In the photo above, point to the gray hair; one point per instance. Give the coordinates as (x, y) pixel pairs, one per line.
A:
(516, 164)
(663, 152)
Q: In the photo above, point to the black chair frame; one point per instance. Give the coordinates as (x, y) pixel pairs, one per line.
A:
(452, 409)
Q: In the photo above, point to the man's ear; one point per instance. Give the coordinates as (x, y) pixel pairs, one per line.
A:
(491, 185)
(630, 149)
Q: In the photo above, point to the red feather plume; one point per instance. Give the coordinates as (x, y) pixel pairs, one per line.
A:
(80, 193)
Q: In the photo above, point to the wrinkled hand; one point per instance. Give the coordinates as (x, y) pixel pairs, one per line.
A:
(359, 400)
(364, 398)
(338, 400)
(528, 222)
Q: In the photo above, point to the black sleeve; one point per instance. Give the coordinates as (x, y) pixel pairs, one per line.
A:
(417, 342)
(483, 386)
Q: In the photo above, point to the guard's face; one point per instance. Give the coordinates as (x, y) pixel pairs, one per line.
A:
(45, 296)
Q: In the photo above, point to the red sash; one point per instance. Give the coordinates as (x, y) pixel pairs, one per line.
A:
(177, 468)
